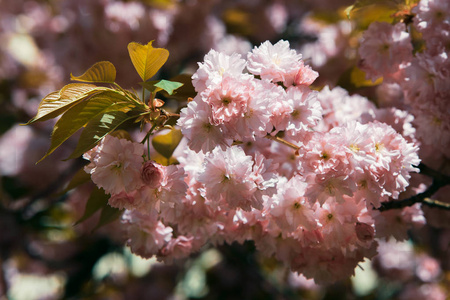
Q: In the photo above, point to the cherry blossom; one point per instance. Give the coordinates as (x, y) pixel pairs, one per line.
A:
(115, 165)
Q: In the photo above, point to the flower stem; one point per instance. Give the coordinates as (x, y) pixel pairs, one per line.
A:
(282, 141)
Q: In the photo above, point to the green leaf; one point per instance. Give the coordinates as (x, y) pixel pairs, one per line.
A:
(186, 90)
(161, 85)
(79, 115)
(146, 59)
(58, 102)
(168, 86)
(97, 129)
(151, 86)
(108, 215)
(97, 200)
(78, 179)
(103, 71)
(166, 144)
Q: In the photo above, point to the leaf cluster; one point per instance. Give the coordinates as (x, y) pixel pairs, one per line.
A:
(97, 105)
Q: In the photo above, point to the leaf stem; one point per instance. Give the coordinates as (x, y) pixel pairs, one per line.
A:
(143, 95)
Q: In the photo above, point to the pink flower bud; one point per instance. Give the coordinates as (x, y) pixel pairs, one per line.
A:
(364, 232)
(152, 174)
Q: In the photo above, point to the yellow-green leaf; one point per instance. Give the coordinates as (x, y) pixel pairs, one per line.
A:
(368, 11)
(77, 90)
(103, 71)
(58, 102)
(358, 78)
(79, 115)
(166, 144)
(146, 59)
(158, 158)
(97, 129)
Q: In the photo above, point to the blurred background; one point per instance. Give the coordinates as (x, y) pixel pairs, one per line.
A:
(45, 256)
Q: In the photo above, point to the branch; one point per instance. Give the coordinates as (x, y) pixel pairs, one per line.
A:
(439, 180)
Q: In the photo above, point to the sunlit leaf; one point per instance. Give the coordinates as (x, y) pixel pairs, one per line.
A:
(79, 115)
(358, 78)
(58, 102)
(164, 4)
(368, 11)
(77, 90)
(146, 59)
(166, 144)
(158, 158)
(103, 71)
(97, 129)
(108, 215)
(97, 200)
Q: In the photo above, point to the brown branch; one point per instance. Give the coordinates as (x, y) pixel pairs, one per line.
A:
(439, 180)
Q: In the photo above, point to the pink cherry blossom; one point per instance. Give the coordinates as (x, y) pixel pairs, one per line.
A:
(115, 165)
(214, 66)
(226, 176)
(196, 125)
(145, 235)
(125, 200)
(290, 208)
(384, 49)
(306, 111)
(228, 99)
(274, 62)
(432, 17)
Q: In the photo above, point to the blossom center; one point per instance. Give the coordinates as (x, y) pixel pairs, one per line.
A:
(226, 100)
(379, 147)
(295, 114)
(324, 155)
(354, 147)
(207, 127)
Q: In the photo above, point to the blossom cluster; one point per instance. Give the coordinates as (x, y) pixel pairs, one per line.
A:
(421, 74)
(266, 159)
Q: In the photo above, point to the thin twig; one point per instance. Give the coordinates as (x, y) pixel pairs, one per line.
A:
(284, 142)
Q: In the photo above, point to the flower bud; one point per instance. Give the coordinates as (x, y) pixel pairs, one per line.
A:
(152, 174)
(364, 232)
